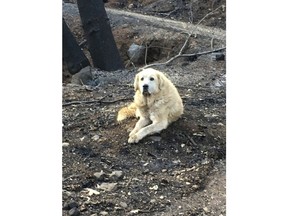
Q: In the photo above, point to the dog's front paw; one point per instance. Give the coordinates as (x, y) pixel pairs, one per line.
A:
(133, 139)
(132, 133)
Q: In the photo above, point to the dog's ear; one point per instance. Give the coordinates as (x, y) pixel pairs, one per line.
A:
(136, 82)
(161, 80)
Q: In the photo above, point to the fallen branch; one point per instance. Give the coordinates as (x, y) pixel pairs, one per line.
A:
(183, 55)
(95, 101)
(82, 102)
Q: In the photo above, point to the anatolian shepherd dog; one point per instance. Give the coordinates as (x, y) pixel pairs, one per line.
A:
(157, 103)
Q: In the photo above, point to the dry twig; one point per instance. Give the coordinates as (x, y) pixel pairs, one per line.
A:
(190, 139)
(95, 101)
(183, 55)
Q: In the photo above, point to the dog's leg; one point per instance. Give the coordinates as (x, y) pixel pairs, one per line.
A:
(142, 122)
(155, 127)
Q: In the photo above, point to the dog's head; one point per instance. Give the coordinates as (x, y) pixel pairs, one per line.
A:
(149, 81)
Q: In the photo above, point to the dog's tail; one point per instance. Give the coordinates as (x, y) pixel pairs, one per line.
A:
(127, 112)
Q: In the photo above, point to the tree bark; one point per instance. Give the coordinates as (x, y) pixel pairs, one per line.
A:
(72, 54)
(100, 40)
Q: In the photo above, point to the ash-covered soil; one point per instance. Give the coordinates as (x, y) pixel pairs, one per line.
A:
(180, 171)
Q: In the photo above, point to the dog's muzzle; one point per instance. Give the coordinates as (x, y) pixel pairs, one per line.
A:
(145, 91)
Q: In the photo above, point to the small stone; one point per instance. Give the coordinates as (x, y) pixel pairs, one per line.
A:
(130, 6)
(74, 212)
(123, 204)
(95, 137)
(161, 197)
(182, 145)
(134, 211)
(153, 201)
(155, 187)
(200, 134)
(146, 171)
(217, 56)
(66, 206)
(92, 191)
(116, 175)
(195, 186)
(188, 150)
(107, 186)
(99, 175)
(155, 138)
(136, 53)
(187, 183)
(83, 77)
(104, 213)
(70, 205)
(206, 209)
(176, 161)
(65, 144)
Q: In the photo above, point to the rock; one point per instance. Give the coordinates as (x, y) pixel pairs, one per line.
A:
(206, 209)
(217, 56)
(99, 175)
(91, 191)
(104, 213)
(155, 138)
(70, 205)
(74, 212)
(136, 53)
(130, 6)
(189, 150)
(123, 204)
(116, 175)
(65, 144)
(146, 171)
(155, 187)
(135, 211)
(95, 137)
(107, 186)
(66, 206)
(83, 77)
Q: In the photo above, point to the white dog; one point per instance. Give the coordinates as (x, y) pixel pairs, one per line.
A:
(156, 100)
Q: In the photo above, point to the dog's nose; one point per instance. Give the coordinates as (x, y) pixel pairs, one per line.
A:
(145, 86)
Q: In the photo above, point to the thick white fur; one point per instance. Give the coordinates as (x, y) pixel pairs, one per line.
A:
(161, 105)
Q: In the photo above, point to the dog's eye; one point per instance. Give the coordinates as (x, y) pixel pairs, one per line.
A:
(151, 79)
(142, 78)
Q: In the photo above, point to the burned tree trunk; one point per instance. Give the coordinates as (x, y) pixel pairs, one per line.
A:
(101, 43)
(73, 56)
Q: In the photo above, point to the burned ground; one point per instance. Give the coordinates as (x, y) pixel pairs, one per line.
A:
(180, 171)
